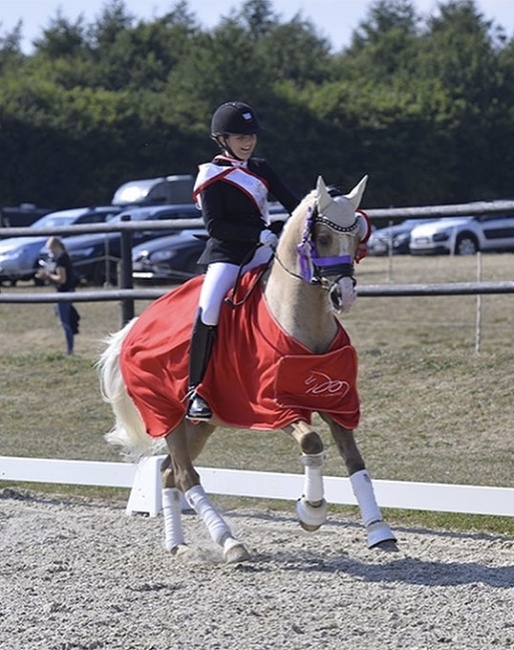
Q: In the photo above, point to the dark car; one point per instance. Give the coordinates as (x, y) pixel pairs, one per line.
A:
(19, 255)
(95, 257)
(393, 238)
(169, 259)
(174, 258)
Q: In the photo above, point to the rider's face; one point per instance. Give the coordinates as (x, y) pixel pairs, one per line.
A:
(241, 145)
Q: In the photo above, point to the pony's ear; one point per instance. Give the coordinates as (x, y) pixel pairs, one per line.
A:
(324, 198)
(355, 196)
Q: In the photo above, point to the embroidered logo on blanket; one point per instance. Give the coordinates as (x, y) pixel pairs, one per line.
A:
(317, 382)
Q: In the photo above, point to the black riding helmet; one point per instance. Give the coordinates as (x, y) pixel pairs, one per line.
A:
(234, 118)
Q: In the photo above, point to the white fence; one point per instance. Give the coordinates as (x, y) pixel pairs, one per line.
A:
(144, 482)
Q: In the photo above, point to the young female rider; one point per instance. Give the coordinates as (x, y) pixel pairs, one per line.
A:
(232, 193)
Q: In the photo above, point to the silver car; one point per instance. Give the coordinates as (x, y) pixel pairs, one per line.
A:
(464, 235)
(19, 255)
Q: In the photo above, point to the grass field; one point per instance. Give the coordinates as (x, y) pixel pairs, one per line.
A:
(432, 408)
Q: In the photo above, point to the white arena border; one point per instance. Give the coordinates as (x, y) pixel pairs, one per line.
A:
(143, 480)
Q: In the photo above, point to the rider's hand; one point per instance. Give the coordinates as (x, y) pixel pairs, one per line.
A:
(267, 238)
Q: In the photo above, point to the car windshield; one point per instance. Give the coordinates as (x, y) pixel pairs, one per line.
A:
(52, 220)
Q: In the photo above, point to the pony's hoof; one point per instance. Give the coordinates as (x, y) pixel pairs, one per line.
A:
(180, 550)
(381, 536)
(311, 517)
(234, 551)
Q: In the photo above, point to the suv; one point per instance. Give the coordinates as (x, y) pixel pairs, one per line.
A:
(19, 255)
(464, 235)
(176, 189)
(95, 257)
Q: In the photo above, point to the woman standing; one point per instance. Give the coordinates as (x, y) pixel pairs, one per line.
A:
(63, 276)
(232, 192)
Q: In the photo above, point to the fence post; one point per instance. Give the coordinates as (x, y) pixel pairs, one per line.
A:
(127, 304)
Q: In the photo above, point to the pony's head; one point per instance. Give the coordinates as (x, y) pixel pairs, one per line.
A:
(332, 240)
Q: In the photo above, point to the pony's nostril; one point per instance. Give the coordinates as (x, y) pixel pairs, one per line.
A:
(336, 298)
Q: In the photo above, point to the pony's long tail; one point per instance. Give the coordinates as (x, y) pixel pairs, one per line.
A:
(129, 430)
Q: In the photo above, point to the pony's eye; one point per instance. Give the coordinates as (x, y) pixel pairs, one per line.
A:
(324, 240)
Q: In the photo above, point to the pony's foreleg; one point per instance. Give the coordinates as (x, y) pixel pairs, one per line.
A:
(378, 532)
(311, 508)
(187, 480)
(174, 539)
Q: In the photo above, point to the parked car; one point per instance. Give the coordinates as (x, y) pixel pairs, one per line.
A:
(22, 216)
(170, 258)
(19, 255)
(464, 235)
(95, 257)
(174, 257)
(394, 238)
(176, 189)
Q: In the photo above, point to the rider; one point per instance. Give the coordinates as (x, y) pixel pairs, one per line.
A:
(232, 193)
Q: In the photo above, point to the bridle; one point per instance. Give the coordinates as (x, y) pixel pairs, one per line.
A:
(326, 271)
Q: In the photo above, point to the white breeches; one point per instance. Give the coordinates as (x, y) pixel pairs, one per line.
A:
(220, 278)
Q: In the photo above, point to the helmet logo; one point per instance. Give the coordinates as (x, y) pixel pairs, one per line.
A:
(247, 116)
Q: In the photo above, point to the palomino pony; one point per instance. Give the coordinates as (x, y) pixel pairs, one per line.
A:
(280, 355)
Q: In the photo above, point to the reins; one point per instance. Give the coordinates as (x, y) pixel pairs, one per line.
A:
(230, 300)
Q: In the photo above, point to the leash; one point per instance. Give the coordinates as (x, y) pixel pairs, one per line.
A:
(230, 300)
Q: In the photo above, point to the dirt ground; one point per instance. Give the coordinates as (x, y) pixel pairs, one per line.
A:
(79, 574)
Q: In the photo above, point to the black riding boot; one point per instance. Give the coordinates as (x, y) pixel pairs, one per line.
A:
(201, 347)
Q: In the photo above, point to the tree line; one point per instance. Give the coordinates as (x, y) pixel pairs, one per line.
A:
(423, 104)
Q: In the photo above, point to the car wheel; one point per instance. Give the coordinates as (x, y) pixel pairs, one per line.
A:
(466, 244)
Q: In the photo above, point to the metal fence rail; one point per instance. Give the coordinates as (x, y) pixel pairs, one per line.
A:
(368, 291)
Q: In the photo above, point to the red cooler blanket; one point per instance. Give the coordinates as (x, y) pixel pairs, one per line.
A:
(258, 378)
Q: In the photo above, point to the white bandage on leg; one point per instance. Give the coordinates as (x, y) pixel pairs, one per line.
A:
(313, 484)
(172, 510)
(363, 491)
(218, 528)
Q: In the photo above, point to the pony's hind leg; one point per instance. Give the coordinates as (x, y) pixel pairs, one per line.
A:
(378, 532)
(311, 507)
(182, 443)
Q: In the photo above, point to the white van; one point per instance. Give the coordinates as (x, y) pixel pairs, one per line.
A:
(463, 235)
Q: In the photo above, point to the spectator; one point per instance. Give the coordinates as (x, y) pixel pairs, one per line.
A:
(59, 271)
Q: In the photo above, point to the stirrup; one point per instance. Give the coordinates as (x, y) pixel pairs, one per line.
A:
(198, 409)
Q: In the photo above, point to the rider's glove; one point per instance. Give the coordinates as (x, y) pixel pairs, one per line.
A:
(267, 238)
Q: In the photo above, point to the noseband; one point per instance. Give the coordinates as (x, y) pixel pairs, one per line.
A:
(315, 269)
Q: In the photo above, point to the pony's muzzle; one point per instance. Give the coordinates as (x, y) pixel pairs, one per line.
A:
(342, 295)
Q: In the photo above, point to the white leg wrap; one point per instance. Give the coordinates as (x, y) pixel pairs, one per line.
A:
(172, 510)
(363, 491)
(313, 485)
(218, 528)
